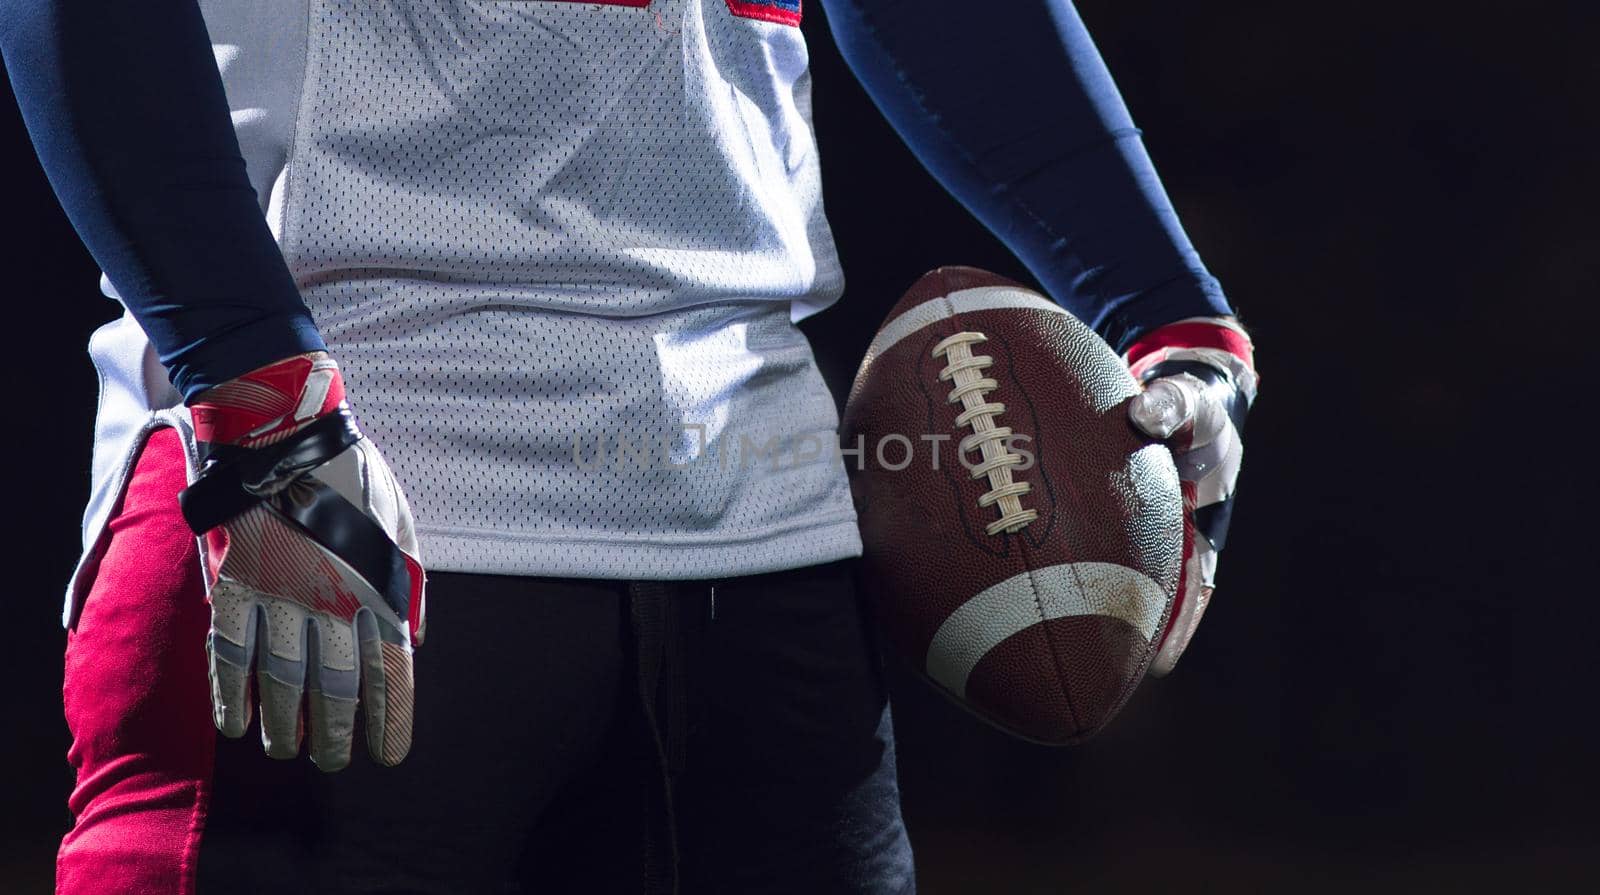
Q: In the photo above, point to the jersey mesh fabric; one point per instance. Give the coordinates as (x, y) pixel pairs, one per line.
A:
(558, 249)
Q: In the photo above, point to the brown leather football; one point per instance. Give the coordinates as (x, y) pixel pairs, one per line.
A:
(1022, 540)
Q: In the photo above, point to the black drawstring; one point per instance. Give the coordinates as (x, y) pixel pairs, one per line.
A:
(663, 695)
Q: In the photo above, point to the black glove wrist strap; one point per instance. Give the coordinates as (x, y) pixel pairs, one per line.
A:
(235, 479)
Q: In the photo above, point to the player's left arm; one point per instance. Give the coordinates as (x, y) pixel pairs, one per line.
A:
(1012, 109)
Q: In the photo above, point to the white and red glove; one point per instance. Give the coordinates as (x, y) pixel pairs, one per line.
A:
(1199, 381)
(314, 577)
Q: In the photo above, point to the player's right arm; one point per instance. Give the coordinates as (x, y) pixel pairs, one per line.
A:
(313, 573)
(128, 116)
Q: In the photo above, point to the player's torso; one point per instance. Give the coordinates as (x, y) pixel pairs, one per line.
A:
(622, 158)
(531, 228)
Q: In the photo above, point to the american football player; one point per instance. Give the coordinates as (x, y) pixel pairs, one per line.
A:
(541, 262)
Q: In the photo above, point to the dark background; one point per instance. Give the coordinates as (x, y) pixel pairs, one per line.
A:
(1392, 689)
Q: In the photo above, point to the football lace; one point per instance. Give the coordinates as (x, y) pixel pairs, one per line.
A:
(965, 371)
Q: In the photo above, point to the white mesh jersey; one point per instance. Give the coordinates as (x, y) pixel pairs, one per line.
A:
(534, 232)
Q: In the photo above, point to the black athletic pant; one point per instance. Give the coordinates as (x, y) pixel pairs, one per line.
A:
(551, 716)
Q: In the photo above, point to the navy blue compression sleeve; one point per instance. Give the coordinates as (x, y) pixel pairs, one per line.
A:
(1010, 106)
(127, 113)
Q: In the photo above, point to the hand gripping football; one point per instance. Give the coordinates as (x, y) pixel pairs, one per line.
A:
(1022, 540)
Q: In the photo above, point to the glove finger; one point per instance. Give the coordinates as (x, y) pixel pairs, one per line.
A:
(421, 633)
(1164, 407)
(230, 649)
(405, 526)
(386, 502)
(281, 675)
(1214, 462)
(1183, 630)
(1194, 595)
(334, 685)
(406, 538)
(1195, 420)
(386, 693)
(1212, 417)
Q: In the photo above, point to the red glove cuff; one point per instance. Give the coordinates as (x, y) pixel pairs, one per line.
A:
(269, 402)
(1199, 332)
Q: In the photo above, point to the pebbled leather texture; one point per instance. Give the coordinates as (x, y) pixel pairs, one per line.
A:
(1104, 494)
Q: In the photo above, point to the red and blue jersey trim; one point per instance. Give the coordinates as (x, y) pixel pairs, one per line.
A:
(784, 12)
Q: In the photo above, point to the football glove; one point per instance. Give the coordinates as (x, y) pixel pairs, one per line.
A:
(1199, 381)
(312, 566)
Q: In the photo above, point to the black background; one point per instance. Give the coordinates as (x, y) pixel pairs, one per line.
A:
(1393, 688)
